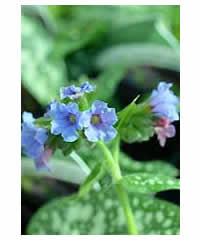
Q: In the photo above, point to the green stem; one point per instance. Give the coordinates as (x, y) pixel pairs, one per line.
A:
(114, 169)
(132, 228)
(116, 175)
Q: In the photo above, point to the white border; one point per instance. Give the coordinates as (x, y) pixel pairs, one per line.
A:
(10, 216)
(100, 2)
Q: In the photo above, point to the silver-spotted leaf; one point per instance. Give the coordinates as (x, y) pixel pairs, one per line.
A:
(149, 182)
(100, 213)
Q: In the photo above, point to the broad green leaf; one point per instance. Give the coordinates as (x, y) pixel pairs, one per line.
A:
(149, 182)
(136, 123)
(134, 55)
(42, 74)
(64, 170)
(100, 213)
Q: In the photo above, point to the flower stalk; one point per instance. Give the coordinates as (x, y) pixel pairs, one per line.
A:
(113, 165)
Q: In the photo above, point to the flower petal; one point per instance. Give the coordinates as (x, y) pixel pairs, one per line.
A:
(70, 134)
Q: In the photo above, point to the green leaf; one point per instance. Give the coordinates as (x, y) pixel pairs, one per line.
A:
(42, 74)
(131, 32)
(100, 213)
(136, 123)
(64, 170)
(130, 166)
(134, 55)
(43, 122)
(109, 80)
(149, 183)
(96, 174)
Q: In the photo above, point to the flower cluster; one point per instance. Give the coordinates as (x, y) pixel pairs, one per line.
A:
(164, 105)
(33, 141)
(96, 122)
(66, 120)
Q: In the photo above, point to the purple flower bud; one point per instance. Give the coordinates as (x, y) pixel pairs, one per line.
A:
(164, 130)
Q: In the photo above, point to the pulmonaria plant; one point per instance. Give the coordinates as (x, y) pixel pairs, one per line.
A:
(64, 124)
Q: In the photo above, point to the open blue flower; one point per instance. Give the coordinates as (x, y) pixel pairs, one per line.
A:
(98, 122)
(76, 92)
(33, 140)
(164, 102)
(65, 120)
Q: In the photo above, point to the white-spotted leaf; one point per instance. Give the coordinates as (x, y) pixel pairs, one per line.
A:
(101, 214)
(149, 183)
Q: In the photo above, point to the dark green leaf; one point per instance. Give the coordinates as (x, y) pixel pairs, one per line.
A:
(131, 32)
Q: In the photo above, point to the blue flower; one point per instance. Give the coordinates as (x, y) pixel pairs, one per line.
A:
(33, 140)
(48, 107)
(164, 103)
(98, 122)
(65, 120)
(76, 92)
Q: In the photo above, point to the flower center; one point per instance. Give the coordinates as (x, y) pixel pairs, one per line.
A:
(95, 119)
(72, 118)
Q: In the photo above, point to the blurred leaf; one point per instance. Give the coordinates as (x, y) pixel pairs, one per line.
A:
(149, 183)
(108, 82)
(79, 35)
(136, 31)
(42, 75)
(101, 214)
(64, 170)
(133, 55)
